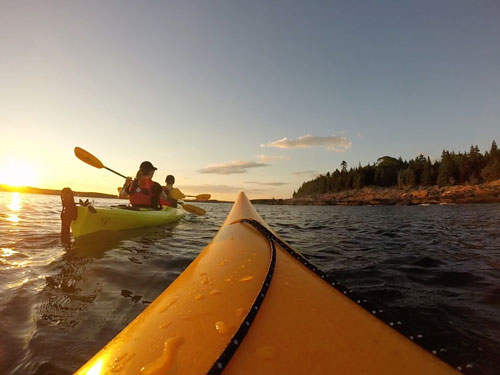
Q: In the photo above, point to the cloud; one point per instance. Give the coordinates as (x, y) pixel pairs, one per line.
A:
(331, 143)
(218, 189)
(266, 183)
(301, 173)
(268, 158)
(230, 168)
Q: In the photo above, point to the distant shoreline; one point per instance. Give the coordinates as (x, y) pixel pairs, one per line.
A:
(34, 190)
(375, 196)
(367, 196)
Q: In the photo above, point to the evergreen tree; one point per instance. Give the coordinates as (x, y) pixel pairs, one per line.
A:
(426, 176)
(453, 168)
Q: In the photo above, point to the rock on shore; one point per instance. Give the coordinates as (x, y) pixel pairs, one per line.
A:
(459, 194)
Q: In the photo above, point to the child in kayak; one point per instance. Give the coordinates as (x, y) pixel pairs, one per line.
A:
(142, 191)
(170, 201)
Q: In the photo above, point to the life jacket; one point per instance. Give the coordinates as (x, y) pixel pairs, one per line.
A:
(140, 196)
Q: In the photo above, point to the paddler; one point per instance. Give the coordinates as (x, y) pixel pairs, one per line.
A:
(170, 201)
(142, 191)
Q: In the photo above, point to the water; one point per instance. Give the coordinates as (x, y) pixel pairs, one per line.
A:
(435, 268)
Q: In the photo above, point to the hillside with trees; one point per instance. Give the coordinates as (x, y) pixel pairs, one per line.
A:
(462, 168)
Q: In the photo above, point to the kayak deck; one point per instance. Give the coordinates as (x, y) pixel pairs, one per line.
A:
(116, 218)
(249, 305)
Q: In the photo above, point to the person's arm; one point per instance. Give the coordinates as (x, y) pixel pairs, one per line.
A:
(164, 196)
(123, 192)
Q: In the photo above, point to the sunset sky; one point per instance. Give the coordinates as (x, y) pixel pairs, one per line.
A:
(240, 95)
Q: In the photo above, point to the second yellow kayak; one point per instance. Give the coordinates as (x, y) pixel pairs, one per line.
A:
(118, 218)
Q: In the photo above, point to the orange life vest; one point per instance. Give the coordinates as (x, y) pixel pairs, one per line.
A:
(140, 195)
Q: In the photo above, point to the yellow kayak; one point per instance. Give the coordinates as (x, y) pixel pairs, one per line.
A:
(250, 304)
(91, 220)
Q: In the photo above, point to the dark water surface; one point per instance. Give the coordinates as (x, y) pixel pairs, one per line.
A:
(435, 268)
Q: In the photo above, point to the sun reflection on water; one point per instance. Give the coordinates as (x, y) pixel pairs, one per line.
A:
(15, 206)
(7, 252)
(13, 218)
(18, 283)
(15, 203)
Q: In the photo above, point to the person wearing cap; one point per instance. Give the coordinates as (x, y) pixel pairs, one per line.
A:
(142, 191)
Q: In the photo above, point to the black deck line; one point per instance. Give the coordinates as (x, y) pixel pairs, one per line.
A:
(381, 314)
(221, 362)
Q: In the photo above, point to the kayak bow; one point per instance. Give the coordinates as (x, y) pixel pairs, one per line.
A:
(250, 304)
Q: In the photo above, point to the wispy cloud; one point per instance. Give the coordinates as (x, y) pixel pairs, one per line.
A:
(331, 143)
(230, 168)
(269, 158)
(301, 173)
(209, 188)
(266, 183)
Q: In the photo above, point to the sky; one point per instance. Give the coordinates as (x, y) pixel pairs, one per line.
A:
(256, 96)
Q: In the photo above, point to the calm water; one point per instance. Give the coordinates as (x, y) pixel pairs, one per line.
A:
(435, 268)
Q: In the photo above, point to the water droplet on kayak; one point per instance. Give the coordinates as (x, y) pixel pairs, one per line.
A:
(240, 312)
(121, 361)
(170, 303)
(204, 278)
(265, 352)
(166, 358)
(243, 266)
(121, 357)
(221, 327)
(228, 278)
(198, 296)
(215, 292)
(165, 325)
(246, 278)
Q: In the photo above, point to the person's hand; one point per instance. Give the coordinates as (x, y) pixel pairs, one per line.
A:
(128, 181)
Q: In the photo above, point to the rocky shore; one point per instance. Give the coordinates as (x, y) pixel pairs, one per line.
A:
(459, 194)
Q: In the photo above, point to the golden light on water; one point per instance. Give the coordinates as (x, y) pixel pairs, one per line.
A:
(13, 218)
(17, 173)
(18, 284)
(6, 252)
(15, 203)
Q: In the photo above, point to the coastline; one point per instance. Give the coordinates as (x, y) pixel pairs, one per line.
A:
(34, 190)
(375, 196)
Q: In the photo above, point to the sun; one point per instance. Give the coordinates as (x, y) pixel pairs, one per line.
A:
(17, 173)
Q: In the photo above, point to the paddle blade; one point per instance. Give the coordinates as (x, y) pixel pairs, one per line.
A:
(88, 158)
(177, 194)
(203, 197)
(195, 210)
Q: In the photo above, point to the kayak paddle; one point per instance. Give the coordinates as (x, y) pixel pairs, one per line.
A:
(195, 210)
(200, 197)
(177, 194)
(90, 159)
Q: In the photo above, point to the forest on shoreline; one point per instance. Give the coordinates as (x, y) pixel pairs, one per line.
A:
(460, 168)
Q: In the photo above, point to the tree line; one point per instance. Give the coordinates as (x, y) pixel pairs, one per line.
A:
(471, 167)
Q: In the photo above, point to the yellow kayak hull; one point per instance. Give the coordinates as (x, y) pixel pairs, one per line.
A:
(293, 320)
(115, 218)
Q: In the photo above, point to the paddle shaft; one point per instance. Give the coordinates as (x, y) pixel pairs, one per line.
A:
(119, 174)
